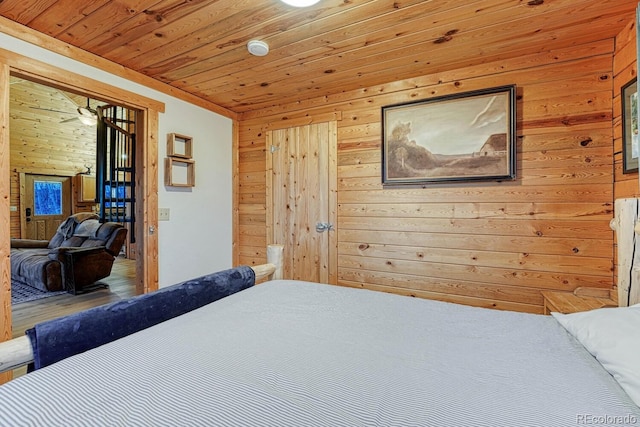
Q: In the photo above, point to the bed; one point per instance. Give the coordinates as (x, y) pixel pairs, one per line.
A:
(295, 353)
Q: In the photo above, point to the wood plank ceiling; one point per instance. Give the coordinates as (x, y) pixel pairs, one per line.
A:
(335, 46)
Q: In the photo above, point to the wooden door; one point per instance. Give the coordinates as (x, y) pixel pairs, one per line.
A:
(301, 200)
(46, 203)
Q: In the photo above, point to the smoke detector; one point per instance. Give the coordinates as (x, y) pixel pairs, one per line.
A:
(258, 47)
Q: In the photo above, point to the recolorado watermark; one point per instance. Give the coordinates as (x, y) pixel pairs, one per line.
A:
(607, 420)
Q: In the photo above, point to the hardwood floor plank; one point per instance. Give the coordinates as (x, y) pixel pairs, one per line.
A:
(121, 286)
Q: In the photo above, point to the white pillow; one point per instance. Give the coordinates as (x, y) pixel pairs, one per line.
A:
(611, 335)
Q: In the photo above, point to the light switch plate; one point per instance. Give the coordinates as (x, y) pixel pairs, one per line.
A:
(163, 214)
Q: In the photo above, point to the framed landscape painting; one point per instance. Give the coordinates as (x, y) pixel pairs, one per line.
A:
(463, 137)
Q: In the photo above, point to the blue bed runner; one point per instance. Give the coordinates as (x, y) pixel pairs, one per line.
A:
(60, 338)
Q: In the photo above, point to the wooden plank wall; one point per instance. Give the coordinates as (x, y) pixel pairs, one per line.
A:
(624, 69)
(487, 244)
(45, 142)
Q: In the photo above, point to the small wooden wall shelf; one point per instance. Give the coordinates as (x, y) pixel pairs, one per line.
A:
(179, 168)
(179, 172)
(180, 146)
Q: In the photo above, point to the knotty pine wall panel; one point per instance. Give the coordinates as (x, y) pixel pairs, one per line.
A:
(485, 243)
(45, 137)
(624, 68)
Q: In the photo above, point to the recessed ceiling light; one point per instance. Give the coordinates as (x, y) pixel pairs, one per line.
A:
(300, 3)
(258, 47)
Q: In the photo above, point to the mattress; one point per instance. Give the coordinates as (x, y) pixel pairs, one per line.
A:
(291, 353)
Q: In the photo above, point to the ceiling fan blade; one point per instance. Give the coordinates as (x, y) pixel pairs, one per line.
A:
(86, 112)
(85, 115)
(52, 110)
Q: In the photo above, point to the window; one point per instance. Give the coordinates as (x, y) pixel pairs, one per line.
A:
(117, 195)
(47, 197)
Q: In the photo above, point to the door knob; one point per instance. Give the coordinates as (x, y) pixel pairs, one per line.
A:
(324, 226)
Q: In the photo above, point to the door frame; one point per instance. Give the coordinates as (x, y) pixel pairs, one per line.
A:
(332, 195)
(147, 113)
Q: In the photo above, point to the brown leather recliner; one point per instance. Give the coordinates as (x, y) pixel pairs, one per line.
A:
(81, 252)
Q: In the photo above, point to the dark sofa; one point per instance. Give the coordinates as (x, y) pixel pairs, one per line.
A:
(81, 252)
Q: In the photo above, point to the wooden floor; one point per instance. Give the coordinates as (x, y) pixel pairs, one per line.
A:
(121, 285)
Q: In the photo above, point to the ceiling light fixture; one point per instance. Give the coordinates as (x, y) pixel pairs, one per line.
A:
(86, 116)
(300, 3)
(88, 120)
(258, 47)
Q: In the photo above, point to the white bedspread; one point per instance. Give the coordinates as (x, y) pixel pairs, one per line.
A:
(300, 354)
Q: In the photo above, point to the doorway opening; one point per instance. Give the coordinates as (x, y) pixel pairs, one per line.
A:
(147, 112)
(53, 160)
